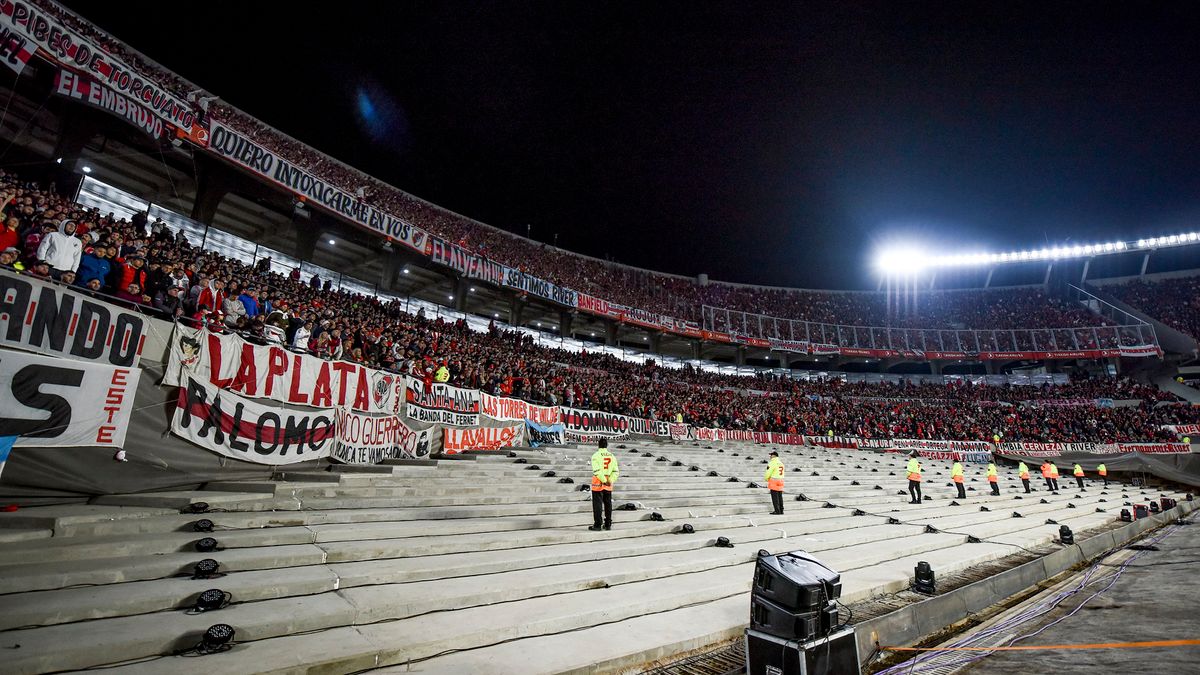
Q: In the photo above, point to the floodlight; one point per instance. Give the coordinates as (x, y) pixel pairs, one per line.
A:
(900, 261)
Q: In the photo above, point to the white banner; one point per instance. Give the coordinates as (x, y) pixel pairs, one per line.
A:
(593, 423)
(442, 404)
(247, 430)
(455, 441)
(370, 439)
(516, 410)
(239, 149)
(49, 319)
(643, 427)
(679, 432)
(1057, 449)
(52, 403)
(272, 372)
(922, 444)
(1183, 429)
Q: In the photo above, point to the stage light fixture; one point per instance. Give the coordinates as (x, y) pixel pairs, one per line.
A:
(206, 544)
(211, 600)
(216, 639)
(206, 569)
(686, 528)
(1065, 535)
(203, 525)
(924, 579)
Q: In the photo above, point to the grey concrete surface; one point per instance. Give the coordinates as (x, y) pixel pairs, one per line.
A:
(1154, 599)
(410, 563)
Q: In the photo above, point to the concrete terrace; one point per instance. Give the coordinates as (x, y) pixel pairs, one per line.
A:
(486, 565)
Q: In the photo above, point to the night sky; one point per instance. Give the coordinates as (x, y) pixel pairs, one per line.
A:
(778, 143)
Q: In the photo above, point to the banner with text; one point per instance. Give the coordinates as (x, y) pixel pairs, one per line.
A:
(49, 319)
(69, 48)
(515, 410)
(247, 430)
(370, 439)
(455, 441)
(239, 149)
(50, 402)
(527, 283)
(270, 371)
(539, 435)
(466, 263)
(593, 423)
(442, 404)
(89, 91)
(15, 48)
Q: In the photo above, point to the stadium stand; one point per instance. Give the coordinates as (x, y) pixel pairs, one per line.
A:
(223, 294)
(433, 565)
(1175, 302)
(473, 555)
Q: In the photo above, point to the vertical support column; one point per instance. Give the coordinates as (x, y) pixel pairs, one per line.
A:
(391, 267)
(1086, 264)
(308, 231)
(462, 286)
(697, 349)
(1145, 264)
(935, 367)
(565, 320)
(740, 358)
(516, 307)
(213, 182)
(656, 341)
(988, 283)
(612, 332)
(74, 132)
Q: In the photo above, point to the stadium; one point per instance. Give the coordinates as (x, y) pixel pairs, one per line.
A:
(263, 412)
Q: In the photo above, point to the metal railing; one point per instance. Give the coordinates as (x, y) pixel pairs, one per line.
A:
(763, 327)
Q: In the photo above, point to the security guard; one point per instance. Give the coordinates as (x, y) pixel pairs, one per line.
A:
(1079, 476)
(993, 478)
(914, 478)
(604, 474)
(774, 478)
(1103, 470)
(1023, 474)
(956, 475)
(1046, 475)
(1054, 476)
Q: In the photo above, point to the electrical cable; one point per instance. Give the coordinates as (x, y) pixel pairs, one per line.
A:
(1034, 612)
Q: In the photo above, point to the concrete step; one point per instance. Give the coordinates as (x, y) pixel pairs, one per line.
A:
(397, 641)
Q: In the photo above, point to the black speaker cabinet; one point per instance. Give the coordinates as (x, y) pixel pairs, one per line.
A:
(768, 617)
(796, 581)
(836, 654)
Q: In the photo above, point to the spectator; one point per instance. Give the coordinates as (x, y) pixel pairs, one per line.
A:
(61, 250)
(169, 302)
(249, 301)
(11, 258)
(10, 234)
(94, 265)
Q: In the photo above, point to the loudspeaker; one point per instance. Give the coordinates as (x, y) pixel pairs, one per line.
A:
(1140, 511)
(770, 655)
(796, 581)
(769, 618)
(1167, 503)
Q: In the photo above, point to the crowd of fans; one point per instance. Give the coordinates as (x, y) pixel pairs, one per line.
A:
(144, 264)
(1175, 302)
(685, 298)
